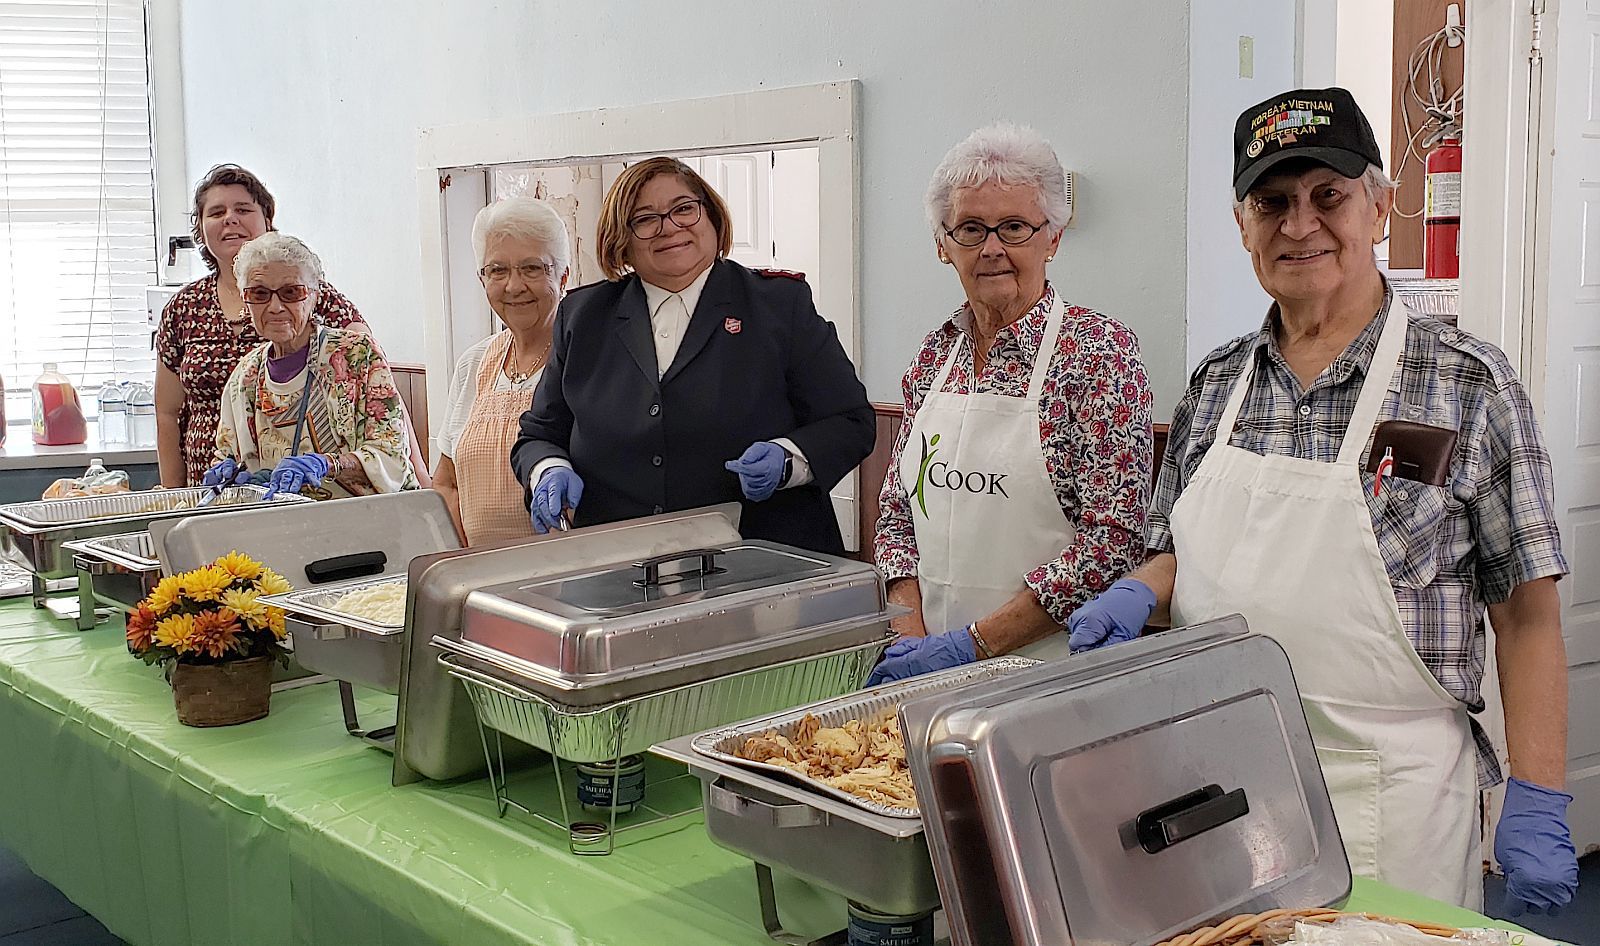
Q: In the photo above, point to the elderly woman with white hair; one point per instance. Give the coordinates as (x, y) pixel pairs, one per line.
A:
(1019, 480)
(314, 405)
(523, 260)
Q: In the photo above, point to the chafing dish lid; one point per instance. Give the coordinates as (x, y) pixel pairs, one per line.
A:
(631, 616)
(1128, 795)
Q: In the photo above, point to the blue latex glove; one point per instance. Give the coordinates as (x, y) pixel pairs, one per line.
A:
(227, 473)
(1534, 847)
(558, 489)
(294, 472)
(760, 470)
(912, 656)
(1115, 615)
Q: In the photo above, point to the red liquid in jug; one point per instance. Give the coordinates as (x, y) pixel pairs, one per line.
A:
(57, 404)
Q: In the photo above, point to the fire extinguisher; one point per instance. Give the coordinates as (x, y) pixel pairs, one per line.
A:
(1441, 221)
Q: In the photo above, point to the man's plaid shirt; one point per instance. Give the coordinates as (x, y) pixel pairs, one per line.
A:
(1450, 551)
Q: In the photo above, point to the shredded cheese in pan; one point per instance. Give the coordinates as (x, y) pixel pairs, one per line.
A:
(866, 758)
(380, 604)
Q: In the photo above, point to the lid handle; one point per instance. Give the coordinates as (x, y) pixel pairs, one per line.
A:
(1189, 816)
(340, 567)
(652, 567)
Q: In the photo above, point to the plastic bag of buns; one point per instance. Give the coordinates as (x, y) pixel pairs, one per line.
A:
(95, 481)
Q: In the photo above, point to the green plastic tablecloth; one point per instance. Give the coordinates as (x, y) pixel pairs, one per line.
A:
(286, 830)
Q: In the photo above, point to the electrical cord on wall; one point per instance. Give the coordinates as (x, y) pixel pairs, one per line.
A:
(1443, 112)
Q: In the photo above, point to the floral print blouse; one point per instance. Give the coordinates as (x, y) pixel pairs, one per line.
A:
(354, 408)
(197, 344)
(1094, 427)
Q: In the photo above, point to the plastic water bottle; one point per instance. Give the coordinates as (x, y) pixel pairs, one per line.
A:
(141, 402)
(113, 414)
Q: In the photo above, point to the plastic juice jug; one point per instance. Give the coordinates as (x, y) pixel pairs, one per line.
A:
(2, 412)
(57, 415)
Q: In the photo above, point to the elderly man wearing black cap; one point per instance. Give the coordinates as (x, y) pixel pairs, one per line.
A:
(1378, 484)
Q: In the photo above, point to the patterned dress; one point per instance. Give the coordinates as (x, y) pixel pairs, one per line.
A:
(197, 344)
(354, 408)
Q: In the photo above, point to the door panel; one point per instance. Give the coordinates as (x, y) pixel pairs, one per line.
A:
(1569, 284)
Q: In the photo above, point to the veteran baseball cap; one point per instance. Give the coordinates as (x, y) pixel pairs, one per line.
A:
(1323, 125)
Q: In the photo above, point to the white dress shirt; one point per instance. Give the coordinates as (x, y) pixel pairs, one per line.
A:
(669, 322)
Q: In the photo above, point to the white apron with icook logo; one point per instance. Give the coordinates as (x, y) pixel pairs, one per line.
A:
(984, 510)
(1289, 544)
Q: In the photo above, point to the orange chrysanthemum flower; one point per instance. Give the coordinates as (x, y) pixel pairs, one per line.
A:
(141, 629)
(214, 634)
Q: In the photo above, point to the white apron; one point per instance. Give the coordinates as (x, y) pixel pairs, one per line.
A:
(1289, 544)
(982, 505)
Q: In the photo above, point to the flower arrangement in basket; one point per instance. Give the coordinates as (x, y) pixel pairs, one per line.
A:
(216, 639)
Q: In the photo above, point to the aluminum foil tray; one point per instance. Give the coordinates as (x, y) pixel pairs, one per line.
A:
(319, 603)
(600, 734)
(145, 504)
(868, 705)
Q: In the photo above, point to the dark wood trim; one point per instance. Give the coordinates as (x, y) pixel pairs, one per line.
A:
(876, 466)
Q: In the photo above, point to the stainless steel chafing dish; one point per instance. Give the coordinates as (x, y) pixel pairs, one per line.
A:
(778, 818)
(118, 570)
(327, 551)
(35, 534)
(603, 660)
(1056, 798)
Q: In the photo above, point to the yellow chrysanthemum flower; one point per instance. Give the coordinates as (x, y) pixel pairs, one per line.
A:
(206, 584)
(271, 583)
(239, 565)
(246, 604)
(275, 621)
(176, 632)
(164, 595)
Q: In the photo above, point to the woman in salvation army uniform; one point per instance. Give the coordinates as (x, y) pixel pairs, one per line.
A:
(686, 379)
(1019, 481)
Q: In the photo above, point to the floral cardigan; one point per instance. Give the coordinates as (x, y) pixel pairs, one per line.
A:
(354, 408)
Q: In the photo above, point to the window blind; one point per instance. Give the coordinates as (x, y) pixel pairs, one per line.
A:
(77, 195)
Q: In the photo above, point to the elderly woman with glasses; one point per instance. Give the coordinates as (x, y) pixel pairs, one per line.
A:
(310, 407)
(205, 329)
(522, 250)
(1019, 480)
(686, 379)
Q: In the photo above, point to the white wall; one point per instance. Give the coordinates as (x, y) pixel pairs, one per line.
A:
(325, 100)
(1225, 300)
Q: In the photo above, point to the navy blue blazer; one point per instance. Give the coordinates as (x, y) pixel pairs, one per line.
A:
(757, 363)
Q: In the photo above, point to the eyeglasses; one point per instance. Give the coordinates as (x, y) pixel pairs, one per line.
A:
(683, 216)
(261, 295)
(1010, 232)
(530, 272)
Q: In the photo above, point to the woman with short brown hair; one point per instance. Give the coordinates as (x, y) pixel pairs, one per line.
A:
(686, 379)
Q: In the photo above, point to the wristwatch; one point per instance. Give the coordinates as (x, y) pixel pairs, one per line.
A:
(788, 468)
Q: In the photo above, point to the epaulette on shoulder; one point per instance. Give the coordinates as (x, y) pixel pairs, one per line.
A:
(1221, 352)
(780, 274)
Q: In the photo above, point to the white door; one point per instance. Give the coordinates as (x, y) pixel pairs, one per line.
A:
(1567, 302)
(745, 183)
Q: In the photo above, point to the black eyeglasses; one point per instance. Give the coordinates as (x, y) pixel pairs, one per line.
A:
(261, 295)
(683, 216)
(1011, 232)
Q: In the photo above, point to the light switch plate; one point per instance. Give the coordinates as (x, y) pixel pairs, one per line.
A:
(1247, 57)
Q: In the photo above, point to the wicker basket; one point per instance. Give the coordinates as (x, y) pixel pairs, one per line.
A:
(1246, 929)
(222, 694)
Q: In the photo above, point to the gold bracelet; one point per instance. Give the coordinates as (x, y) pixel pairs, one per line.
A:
(983, 648)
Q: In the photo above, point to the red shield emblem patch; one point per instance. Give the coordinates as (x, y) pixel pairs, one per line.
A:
(732, 326)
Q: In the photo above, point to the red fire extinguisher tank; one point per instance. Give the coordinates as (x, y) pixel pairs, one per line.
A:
(1441, 222)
